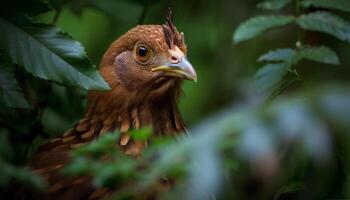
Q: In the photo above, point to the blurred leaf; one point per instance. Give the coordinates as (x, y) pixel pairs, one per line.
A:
(326, 23)
(97, 147)
(30, 7)
(141, 134)
(270, 75)
(273, 4)
(342, 5)
(335, 105)
(205, 171)
(319, 54)
(109, 175)
(79, 166)
(257, 25)
(48, 53)
(285, 55)
(10, 93)
(10, 173)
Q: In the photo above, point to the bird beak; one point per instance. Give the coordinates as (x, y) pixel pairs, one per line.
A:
(182, 69)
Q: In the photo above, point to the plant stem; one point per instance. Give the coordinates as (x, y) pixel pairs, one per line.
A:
(298, 44)
(56, 16)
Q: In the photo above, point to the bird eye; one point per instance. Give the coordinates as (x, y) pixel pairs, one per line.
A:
(142, 53)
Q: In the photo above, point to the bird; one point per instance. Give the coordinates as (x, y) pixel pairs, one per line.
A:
(145, 69)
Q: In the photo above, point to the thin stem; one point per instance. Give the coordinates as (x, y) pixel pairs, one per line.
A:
(298, 44)
(56, 16)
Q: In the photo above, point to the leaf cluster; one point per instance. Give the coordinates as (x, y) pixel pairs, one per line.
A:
(271, 78)
(43, 50)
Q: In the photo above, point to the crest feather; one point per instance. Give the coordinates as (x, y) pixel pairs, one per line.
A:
(172, 36)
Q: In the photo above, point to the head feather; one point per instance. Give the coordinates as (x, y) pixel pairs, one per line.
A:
(172, 36)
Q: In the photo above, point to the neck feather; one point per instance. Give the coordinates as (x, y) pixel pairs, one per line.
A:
(120, 109)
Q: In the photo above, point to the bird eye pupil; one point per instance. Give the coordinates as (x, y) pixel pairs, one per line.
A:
(142, 51)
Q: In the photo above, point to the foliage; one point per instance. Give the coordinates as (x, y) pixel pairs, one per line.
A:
(46, 52)
(10, 94)
(319, 21)
(10, 173)
(291, 147)
(342, 5)
(301, 125)
(258, 25)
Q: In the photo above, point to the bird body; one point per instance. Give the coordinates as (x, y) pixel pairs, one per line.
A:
(145, 69)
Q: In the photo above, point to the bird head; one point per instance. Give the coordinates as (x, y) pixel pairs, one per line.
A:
(145, 69)
(148, 59)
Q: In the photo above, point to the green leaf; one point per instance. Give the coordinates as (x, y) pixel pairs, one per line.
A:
(79, 166)
(105, 143)
(10, 173)
(326, 23)
(320, 54)
(10, 93)
(342, 5)
(269, 76)
(257, 25)
(141, 134)
(285, 55)
(273, 4)
(315, 53)
(48, 53)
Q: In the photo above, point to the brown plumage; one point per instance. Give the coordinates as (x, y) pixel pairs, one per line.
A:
(145, 68)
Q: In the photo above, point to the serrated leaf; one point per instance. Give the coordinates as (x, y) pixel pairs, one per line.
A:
(141, 134)
(48, 53)
(273, 4)
(342, 5)
(326, 23)
(10, 93)
(320, 54)
(270, 75)
(284, 55)
(257, 25)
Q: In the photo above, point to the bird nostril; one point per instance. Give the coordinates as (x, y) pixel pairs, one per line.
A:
(174, 58)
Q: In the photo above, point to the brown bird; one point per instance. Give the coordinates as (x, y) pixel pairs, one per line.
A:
(145, 69)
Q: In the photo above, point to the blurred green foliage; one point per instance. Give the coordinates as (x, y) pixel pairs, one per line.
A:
(289, 147)
(294, 146)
